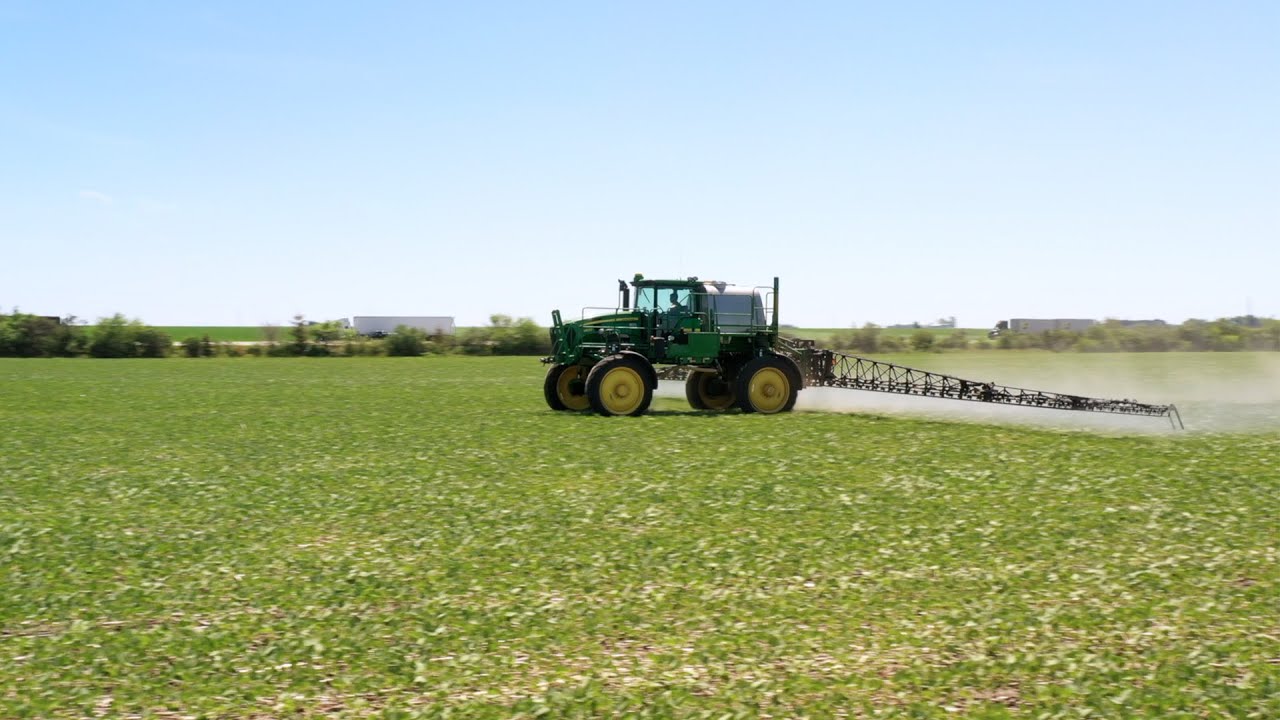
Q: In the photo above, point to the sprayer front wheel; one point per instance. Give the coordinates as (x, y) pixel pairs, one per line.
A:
(708, 391)
(565, 388)
(767, 385)
(617, 385)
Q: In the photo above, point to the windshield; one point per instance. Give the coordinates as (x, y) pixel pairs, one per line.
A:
(665, 299)
(677, 300)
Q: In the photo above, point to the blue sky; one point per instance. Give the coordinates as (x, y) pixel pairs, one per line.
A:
(237, 163)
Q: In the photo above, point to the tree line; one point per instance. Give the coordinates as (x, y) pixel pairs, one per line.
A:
(1223, 335)
(35, 336)
(25, 335)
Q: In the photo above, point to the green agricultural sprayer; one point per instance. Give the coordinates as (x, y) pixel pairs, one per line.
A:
(724, 338)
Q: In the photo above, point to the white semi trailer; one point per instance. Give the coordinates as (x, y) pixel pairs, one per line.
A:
(379, 325)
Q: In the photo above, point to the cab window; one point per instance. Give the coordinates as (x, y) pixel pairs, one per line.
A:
(646, 298)
(676, 300)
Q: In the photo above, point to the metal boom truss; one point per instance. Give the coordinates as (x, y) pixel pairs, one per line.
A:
(828, 368)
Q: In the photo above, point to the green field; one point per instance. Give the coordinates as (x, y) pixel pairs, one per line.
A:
(220, 333)
(402, 537)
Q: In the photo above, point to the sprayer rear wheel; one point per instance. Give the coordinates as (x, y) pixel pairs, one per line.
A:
(767, 385)
(618, 385)
(708, 391)
(565, 388)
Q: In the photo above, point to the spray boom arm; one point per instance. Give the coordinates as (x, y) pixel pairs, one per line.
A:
(828, 368)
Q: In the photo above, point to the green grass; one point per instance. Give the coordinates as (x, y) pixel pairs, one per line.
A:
(396, 537)
(219, 333)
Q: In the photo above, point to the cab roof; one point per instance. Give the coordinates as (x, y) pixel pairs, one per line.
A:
(691, 281)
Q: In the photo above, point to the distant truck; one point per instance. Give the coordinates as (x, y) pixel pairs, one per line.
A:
(380, 325)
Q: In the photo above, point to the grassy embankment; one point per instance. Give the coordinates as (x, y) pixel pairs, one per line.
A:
(219, 333)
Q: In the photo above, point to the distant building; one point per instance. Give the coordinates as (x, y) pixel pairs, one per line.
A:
(377, 325)
(1142, 323)
(1039, 325)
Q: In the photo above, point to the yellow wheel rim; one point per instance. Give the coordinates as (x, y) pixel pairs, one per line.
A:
(769, 390)
(621, 391)
(565, 389)
(709, 399)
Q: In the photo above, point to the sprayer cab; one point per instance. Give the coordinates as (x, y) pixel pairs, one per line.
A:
(681, 322)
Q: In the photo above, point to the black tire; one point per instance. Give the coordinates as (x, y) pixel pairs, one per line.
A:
(709, 391)
(565, 388)
(619, 385)
(767, 384)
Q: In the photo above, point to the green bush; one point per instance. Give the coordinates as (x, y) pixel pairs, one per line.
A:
(867, 338)
(957, 340)
(505, 336)
(358, 346)
(152, 343)
(475, 341)
(301, 335)
(308, 339)
(922, 341)
(118, 337)
(1268, 336)
(113, 338)
(406, 342)
(330, 331)
(23, 335)
(441, 344)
